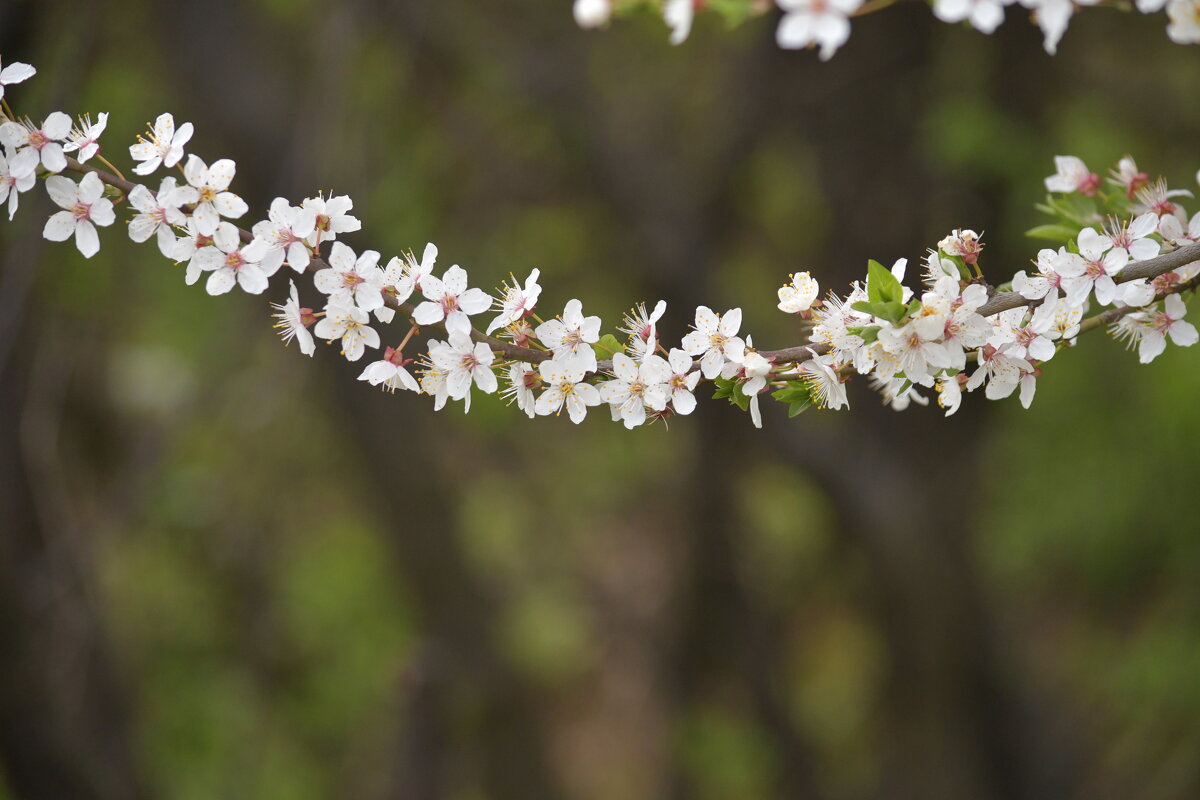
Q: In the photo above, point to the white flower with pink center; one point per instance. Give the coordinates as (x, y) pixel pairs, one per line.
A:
(159, 214)
(332, 217)
(1072, 175)
(715, 340)
(285, 231)
(390, 372)
(641, 327)
(1158, 325)
(215, 199)
(1092, 268)
(232, 264)
(518, 301)
(449, 301)
(351, 279)
(572, 335)
(84, 207)
(636, 387)
(37, 145)
(12, 185)
(348, 323)
(565, 389)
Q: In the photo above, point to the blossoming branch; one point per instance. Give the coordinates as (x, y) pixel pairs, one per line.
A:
(825, 24)
(1123, 254)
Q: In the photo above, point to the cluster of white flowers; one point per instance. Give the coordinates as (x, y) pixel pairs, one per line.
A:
(954, 336)
(825, 24)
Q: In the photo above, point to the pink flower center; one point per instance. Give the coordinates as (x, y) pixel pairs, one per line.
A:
(352, 279)
(1089, 185)
(1095, 269)
(81, 211)
(234, 260)
(38, 140)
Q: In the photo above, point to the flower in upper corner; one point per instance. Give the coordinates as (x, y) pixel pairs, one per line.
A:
(571, 336)
(233, 265)
(522, 380)
(565, 389)
(11, 185)
(824, 23)
(390, 372)
(964, 243)
(1185, 21)
(159, 214)
(716, 338)
(84, 207)
(448, 300)
(1173, 231)
(824, 384)
(164, 147)
(85, 137)
(641, 327)
(636, 387)
(332, 217)
(592, 13)
(1167, 322)
(985, 15)
(517, 301)
(348, 323)
(1072, 175)
(678, 16)
(216, 200)
(285, 231)
(15, 72)
(36, 145)
(293, 322)
(351, 279)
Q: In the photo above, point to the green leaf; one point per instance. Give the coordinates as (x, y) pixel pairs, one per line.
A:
(1060, 234)
(882, 286)
(868, 333)
(607, 345)
(730, 389)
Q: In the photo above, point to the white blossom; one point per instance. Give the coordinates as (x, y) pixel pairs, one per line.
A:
(1072, 174)
(636, 387)
(678, 15)
(985, 15)
(641, 328)
(348, 323)
(565, 389)
(1092, 268)
(285, 231)
(37, 145)
(571, 336)
(464, 363)
(522, 379)
(84, 207)
(12, 185)
(231, 264)
(518, 301)
(448, 300)
(85, 137)
(798, 296)
(715, 337)
(351, 279)
(15, 72)
(1158, 325)
(159, 214)
(390, 372)
(1185, 21)
(592, 13)
(163, 148)
(681, 382)
(332, 217)
(293, 322)
(824, 23)
(824, 384)
(215, 199)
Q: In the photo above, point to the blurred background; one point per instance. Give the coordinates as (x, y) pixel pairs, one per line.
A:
(229, 571)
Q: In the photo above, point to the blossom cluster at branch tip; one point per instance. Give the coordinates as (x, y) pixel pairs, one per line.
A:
(946, 335)
(825, 24)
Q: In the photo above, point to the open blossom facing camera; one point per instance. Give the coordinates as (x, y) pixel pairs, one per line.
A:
(159, 214)
(572, 335)
(230, 264)
(1124, 255)
(164, 147)
(84, 207)
(352, 279)
(37, 146)
(215, 199)
(450, 302)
